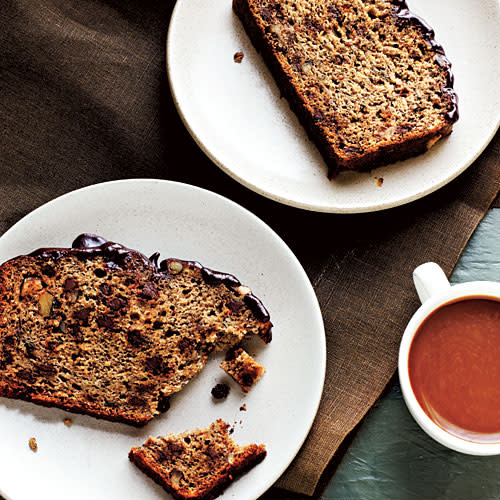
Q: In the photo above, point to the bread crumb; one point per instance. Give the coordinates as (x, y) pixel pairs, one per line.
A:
(242, 368)
(379, 181)
(243, 407)
(33, 445)
(238, 57)
(68, 422)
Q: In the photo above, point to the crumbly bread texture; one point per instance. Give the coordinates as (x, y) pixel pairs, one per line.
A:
(102, 330)
(197, 464)
(242, 368)
(366, 78)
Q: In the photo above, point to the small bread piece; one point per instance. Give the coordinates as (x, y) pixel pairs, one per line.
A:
(242, 368)
(366, 78)
(197, 464)
(102, 330)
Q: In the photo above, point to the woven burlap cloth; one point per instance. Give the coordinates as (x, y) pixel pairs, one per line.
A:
(84, 98)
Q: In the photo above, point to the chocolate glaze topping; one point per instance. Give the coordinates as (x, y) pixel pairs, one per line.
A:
(406, 16)
(88, 240)
(212, 277)
(154, 259)
(89, 245)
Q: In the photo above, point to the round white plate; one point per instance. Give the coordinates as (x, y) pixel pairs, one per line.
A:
(89, 459)
(235, 113)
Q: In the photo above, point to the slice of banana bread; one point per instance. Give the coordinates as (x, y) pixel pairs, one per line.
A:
(102, 330)
(242, 368)
(197, 464)
(366, 78)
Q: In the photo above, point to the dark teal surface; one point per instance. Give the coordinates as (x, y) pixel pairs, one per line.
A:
(391, 458)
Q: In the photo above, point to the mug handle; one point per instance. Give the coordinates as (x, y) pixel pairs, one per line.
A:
(429, 280)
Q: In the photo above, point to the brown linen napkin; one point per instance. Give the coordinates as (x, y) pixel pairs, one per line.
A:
(84, 99)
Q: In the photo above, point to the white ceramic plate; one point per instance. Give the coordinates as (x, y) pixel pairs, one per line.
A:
(235, 113)
(89, 459)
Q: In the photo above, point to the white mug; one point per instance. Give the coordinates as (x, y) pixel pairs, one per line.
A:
(434, 290)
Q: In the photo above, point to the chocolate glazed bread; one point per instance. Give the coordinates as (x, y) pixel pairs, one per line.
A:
(102, 330)
(365, 77)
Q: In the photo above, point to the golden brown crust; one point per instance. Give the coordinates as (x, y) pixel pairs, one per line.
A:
(197, 464)
(284, 36)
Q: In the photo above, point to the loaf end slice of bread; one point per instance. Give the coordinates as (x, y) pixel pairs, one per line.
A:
(197, 464)
(366, 78)
(102, 330)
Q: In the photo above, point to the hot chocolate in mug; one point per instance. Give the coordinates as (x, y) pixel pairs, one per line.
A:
(449, 362)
